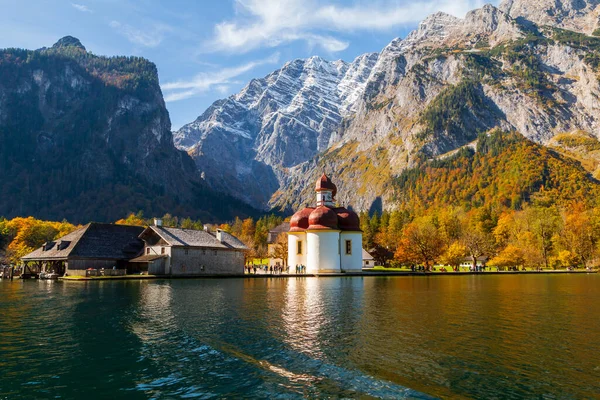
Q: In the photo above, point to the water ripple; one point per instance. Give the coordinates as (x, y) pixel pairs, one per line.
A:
(452, 337)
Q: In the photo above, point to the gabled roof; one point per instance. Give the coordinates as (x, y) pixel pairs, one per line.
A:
(178, 237)
(366, 255)
(51, 250)
(94, 241)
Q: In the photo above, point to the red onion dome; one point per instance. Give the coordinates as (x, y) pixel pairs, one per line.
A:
(324, 183)
(347, 220)
(323, 218)
(299, 221)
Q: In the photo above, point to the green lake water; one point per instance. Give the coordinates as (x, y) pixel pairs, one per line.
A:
(485, 337)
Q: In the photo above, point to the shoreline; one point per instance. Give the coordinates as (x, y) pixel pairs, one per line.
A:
(335, 275)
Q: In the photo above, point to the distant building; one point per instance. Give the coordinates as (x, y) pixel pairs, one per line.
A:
(188, 252)
(468, 262)
(272, 243)
(368, 260)
(94, 246)
(325, 238)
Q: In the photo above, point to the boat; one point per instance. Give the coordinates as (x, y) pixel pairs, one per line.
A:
(48, 275)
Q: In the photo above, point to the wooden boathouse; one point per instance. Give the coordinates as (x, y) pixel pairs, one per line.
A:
(94, 247)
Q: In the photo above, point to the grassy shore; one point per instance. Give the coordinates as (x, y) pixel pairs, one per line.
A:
(466, 269)
(377, 271)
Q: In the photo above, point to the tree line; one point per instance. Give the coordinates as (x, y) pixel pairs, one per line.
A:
(540, 235)
(537, 236)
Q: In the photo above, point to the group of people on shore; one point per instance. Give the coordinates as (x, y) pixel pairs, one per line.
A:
(272, 269)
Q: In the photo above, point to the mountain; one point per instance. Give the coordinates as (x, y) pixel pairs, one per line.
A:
(503, 170)
(85, 137)
(576, 15)
(526, 66)
(245, 144)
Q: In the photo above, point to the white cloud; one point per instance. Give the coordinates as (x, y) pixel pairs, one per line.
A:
(150, 37)
(205, 81)
(269, 23)
(82, 7)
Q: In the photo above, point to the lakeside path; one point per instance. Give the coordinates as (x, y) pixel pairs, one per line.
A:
(284, 275)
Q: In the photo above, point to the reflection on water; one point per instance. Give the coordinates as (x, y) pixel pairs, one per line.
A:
(471, 337)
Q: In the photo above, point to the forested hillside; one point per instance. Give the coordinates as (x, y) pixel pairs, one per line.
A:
(505, 170)
(84, 137)
(507, 199)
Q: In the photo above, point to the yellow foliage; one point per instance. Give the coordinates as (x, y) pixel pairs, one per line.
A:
(133, 219)
(510, 256)
(27, 234)
(454, 254)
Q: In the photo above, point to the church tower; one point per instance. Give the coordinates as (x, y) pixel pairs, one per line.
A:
(325, 238)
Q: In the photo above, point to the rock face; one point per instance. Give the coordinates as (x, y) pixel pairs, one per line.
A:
(88, 138)
(577, 15)
(514, 68)
(245, 144)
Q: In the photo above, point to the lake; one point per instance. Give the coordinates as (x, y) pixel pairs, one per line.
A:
(486, 337)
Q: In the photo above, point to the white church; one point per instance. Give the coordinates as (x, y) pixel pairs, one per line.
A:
(325, 238)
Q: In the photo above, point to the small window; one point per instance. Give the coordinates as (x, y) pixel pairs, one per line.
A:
(366, 262)
(148, 250)
(187, 252)
(215, 253)
(162, 250)
(348, 246)
(203, 252)
(299, 247)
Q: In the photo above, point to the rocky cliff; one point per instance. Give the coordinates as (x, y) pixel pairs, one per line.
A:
(88, 138)
(245, 144)
(527, 66)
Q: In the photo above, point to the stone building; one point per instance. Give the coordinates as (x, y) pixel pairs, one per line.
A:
(189, 252)
(325, 238)
(95, 246)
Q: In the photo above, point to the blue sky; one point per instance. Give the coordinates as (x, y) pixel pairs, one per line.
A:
(206, 50)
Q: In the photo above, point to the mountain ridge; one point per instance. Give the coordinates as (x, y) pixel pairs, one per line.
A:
(86, 137)
(436, 90)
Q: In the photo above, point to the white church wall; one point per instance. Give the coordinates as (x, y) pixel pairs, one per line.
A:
(323, 254)
(351, 262)
(293, 257)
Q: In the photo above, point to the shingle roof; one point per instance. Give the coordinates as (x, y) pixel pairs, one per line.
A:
(195, 238)
(94, 240)
(233, 242)
(53, 252)
(366, 255)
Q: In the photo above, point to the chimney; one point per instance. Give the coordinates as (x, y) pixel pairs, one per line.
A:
(157, 222)
(205, 228)
(220, 235)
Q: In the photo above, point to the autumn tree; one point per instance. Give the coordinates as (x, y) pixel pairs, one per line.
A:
(170, 221)
(454, 254)
(26, 234)
(188, 223)
(578, 235)
(280, 248)
(545, 224)
(133, 219)
(510, 256)
(421, 243)
(477, 237)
